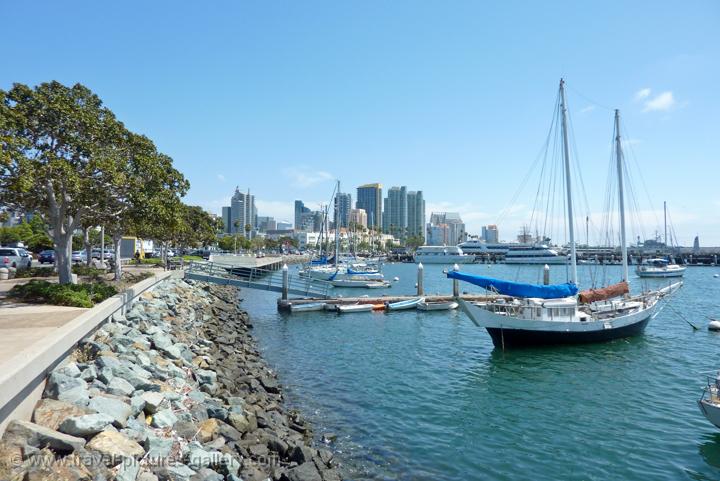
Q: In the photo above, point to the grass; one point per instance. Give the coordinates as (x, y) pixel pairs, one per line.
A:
(192, 258)
(74, 295)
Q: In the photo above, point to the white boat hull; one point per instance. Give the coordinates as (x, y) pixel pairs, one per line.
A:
(403, 305)
(314, 306)
(355, 308)
(437, 306)
(445, 259)
(662, 273)
(711, 411)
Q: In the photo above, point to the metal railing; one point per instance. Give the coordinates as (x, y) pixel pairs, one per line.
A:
(258, 278)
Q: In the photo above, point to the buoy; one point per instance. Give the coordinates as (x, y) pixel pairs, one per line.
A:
(714, 325)
(416, 285)
(716, 275)
(396, 279)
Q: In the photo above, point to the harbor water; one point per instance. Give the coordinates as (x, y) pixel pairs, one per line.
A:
(424, 395)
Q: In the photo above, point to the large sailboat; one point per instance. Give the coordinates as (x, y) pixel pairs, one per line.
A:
(529, 315)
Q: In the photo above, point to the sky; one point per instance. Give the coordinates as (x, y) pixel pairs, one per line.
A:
(451, 98)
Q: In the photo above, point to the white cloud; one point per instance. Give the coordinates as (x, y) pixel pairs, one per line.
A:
(304, 177)
(661, 102)
(587, 109)
(221, 177)
(642, 94)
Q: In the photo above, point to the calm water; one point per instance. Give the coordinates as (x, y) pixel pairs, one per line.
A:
(425, 396)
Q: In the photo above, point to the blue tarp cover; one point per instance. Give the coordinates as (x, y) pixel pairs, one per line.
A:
(517, 289)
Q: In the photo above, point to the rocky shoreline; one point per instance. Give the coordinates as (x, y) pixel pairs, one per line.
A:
(174, 390)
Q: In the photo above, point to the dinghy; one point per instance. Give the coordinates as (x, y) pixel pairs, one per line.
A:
(437, 306)
(355, 308)
(714, 325)
(311, 306)
(401, 305)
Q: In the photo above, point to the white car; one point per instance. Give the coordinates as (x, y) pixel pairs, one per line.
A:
(78, 257)
(16, 257)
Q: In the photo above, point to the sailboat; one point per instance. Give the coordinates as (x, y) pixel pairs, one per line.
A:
(530, 315)
(660, 267)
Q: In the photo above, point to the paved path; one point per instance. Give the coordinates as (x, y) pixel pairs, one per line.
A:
(23, 324)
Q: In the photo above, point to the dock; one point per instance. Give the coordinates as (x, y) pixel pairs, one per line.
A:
(285, 304)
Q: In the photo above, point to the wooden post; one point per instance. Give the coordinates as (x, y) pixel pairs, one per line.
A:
(420, 272)
(456, 283)
(285, 282)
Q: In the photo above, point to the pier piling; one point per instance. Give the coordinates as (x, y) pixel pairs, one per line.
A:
(456, 283)
(546, 275)
(420, 275)
(285, 282)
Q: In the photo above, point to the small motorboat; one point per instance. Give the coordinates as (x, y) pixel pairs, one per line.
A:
(709, 402)
(714, 325)
(355, 308)
(308, 307)
(437, 305)
(402, 305)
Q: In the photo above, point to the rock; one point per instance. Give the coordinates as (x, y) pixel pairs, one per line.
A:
(120, 387)
(198, 458)
(88, 374)
(107, 361)
(87, 425)
(115, 447)
(44, 467)
(71, 369)
(65, 388)
(128, 471)
(174, 472)
(153, 400)
(270, 384)
(207, 430)
(300, 454)
(205, 377)
(206, 474)
(304, 472)
(115, 408)
(19, 433)
(239, 422)
(145, 476)
(229, 465)
(278, 445)
(164, 419)
(325, 457)
(51, 413)
(137, 405)
(186, 429)
(217, 412)
(258, 450)
(158, 447)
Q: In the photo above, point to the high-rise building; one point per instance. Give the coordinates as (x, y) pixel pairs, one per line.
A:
(240, 213)
(490, 234)
(445, 228)
(300, 209)
(266, 223)
(283, 225)
(344, 206)
(415, 214)
(358, 217)
(369, 198)
(395, 218)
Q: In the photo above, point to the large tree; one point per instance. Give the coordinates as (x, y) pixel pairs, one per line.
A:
(50, 136)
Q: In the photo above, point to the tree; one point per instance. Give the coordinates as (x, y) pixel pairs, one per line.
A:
(49, 137)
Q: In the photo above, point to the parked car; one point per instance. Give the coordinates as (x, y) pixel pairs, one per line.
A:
(15, 257)
(47, 257)
(78, 257)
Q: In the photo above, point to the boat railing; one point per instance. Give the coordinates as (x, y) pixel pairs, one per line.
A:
(711, 391)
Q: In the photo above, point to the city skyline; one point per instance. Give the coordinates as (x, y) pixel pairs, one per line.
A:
(461, 113)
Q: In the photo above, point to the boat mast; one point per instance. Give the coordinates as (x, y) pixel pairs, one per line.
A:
(566, 155)
(665, 216)
(621, 197)
(337, 223)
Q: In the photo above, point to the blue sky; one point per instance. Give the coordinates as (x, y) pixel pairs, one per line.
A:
(453, 98)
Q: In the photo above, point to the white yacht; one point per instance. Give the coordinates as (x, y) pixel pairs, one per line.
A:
(442, 255)
(534, 254)
(659, 268)
(476, 246)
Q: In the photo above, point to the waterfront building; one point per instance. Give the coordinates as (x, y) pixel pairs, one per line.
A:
(358, 217)
(395, 212)
(266, 223)
(445, 228)
(369, 198)
(240, 213)
(344, 205)
(490, 234)
(416, 214)
(300, 210)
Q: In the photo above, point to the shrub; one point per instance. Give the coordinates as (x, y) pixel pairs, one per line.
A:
(77, 295)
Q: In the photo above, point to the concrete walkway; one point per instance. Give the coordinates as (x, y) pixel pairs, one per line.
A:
(21, 324)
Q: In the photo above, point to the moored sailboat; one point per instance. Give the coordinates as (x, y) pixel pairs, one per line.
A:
(528, 314)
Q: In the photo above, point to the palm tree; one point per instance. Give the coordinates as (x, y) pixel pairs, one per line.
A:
(236, 224)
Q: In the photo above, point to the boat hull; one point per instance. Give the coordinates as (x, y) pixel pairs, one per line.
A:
(437, 306)
(710, 411)
(507, 332)
(553, 260)
(662, 274)
(445, 259)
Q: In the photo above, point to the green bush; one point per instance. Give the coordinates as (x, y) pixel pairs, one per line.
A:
(74, 295)
(36, 272)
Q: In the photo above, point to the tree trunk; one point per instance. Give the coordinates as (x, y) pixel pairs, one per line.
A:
(63, 257)
(117, 238)
(88, 246)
